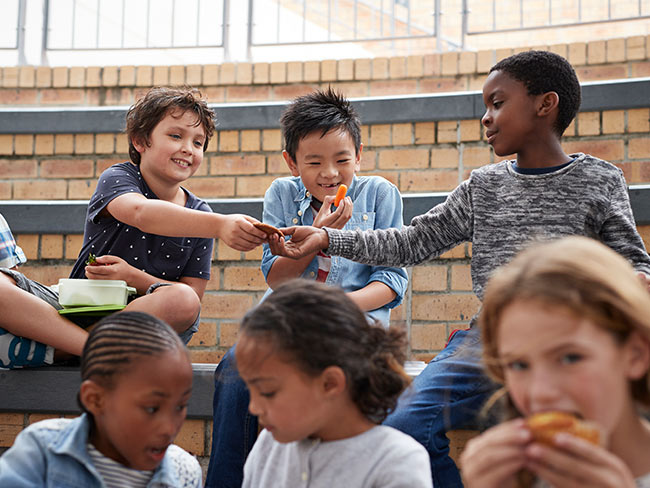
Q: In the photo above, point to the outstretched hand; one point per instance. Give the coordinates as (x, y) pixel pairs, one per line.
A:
(304, 240)
(239, 232)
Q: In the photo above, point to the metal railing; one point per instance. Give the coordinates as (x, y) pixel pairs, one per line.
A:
(134, 24)
(12, 27)
(327, 21)
(74, 26)
(486, 17)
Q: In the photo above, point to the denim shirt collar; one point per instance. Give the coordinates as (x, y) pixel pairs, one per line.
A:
(72, 442)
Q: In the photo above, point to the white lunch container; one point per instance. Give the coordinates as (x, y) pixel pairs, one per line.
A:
(86, 293)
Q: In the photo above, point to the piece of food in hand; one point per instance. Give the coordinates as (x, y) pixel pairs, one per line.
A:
(340, 194)
(92, 260)
(545, 425)
(269, 229)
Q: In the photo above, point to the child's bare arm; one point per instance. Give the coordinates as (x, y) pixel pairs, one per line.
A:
(373, 296)
(165, 218)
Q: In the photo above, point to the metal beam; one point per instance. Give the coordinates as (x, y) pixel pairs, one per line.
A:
(607, 95)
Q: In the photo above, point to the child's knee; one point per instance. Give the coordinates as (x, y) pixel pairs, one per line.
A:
(183, 300)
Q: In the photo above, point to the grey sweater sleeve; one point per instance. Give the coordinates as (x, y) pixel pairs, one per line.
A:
(619, 228)
(429, 235)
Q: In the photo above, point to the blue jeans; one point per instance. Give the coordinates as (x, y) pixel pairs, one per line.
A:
(448, 394)
(234, 429)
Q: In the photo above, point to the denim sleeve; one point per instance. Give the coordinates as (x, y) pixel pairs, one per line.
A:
(272, 214)
(389, 214)
(24, 463)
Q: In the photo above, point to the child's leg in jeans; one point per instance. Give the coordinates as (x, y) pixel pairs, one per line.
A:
(234, 429)
(177, 304)
(36, 317)
(448, 394)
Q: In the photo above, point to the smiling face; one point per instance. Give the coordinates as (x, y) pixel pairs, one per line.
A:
(554, 360)
(174, 151)
(510, 116)
(290, 404)
(324, 163)
(141, 414)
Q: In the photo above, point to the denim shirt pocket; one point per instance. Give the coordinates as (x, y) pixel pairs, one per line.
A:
(361, 221)
(172, 259)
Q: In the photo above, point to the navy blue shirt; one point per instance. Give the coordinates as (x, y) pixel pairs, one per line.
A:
(168, 258)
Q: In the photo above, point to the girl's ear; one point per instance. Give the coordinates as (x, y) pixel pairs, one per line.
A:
(637, 355)
(333, 381)
(547, 103)
(293, 167)
(92, 396)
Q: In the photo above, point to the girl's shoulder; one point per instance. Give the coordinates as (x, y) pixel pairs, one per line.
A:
(185, 467)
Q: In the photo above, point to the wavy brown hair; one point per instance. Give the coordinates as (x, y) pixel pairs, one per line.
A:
(145, 114)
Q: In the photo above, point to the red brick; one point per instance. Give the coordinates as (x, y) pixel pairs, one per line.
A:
(247, 93)
(444, 157)
(63, 96)
(228, 333)
(237, 165)
(206, 336)
(403, 158)
(242, 278)
(18, 168)
(421, 181)
(253, 186)
(51, 246)
(609, 150)
(225, 305)
(429, 278)
(400, 87)
(605, 72)
(40, 190)
(23, 96)
(429, 336)
(639, 148)
(452, 307)
(67, 168)
(211, 187)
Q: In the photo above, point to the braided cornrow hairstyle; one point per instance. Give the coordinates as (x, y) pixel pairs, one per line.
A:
(317, 326)
(120, 339)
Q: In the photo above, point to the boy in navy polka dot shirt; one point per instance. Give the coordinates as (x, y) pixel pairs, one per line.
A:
(143, 227)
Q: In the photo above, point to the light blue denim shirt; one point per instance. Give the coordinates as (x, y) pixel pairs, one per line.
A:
(377, 205)
(53, 454)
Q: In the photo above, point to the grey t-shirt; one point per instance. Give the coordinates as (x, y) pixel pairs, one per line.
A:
(501, 211)
(380, 457)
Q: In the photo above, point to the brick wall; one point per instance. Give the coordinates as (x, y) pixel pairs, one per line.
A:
(237, 82)
(418, 157)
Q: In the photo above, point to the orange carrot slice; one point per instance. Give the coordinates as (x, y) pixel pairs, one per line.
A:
(340, 194)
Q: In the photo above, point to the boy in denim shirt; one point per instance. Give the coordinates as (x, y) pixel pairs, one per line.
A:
(323, 150)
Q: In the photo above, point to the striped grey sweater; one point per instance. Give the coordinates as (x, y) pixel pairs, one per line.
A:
(501, 211)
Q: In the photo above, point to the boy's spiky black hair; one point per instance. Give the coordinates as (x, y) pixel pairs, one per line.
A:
(543, 72)
(319, 111)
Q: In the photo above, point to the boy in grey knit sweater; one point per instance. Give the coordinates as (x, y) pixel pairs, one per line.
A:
(542, 194)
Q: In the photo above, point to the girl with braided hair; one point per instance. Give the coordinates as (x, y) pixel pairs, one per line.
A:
(321, 379)
(136, 382)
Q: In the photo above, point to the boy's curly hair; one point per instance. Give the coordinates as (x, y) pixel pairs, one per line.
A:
(543, 72)
(145, 114)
